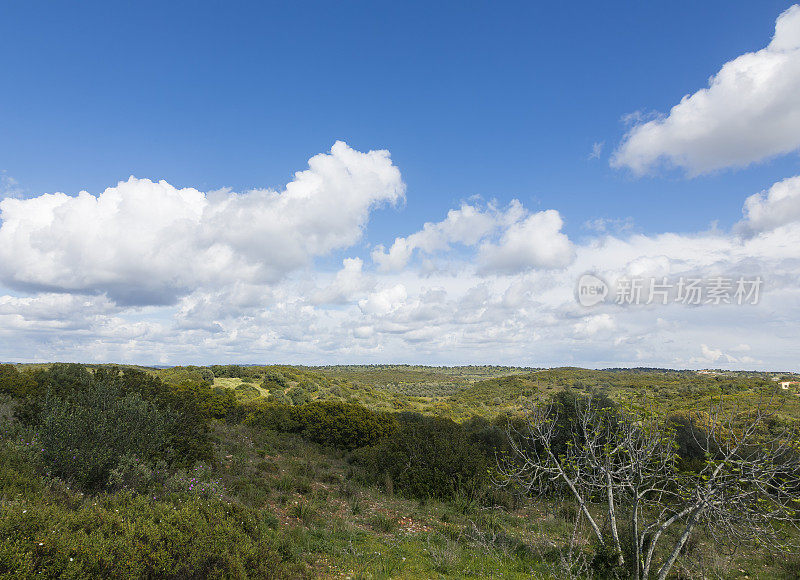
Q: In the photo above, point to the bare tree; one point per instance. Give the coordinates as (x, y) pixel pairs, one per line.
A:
(625, 461)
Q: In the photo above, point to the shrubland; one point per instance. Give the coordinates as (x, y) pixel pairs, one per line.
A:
(274, 471)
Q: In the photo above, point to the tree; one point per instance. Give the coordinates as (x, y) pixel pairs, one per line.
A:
(625, 461)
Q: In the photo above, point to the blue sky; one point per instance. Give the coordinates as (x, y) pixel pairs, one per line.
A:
(499, 100)
(470, 98)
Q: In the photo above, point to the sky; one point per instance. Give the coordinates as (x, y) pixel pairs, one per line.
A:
(353, 182)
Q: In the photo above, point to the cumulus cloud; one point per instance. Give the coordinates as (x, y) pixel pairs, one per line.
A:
(749, 112)
(716, 355)
(349, 281)
(770, 209)
(510, 240)
(506, 296)
(591, 325)
(535, 242)
(47, 310)
(467, 225)
(384, 301)
(143, 242)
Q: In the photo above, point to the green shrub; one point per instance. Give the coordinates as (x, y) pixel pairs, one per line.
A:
(197, 481)
(303, 510)
(134, 474)
(15, 383)
(275, 381)
(189, 374)
(428, 458)
(234, 371)
(189, 405)
(344, 425)
(61, 379)
(82, 438)
(335, 424)
(297, 396)
(130, 536)
(246, 392)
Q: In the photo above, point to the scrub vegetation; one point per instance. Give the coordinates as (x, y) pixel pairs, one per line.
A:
(394, 471)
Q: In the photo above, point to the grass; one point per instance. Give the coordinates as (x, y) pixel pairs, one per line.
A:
(289, 507)
(305, 515)
(357, 531)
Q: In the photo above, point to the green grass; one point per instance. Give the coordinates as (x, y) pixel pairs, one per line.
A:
(302, 516)
(291, 508)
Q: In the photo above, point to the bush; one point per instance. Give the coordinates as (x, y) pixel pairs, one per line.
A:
(189, 374)
(129, 536)
(233, 371)
(298, 396)
(382, 523)
(344, 425)
(335, 424)
(428, 458)
(246, 392)
(15, 383)
(197, 481)
(191, 405)
(275, 381)
(83, 437)
(134, 474)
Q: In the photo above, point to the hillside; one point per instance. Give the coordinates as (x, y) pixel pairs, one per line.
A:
(298, 472)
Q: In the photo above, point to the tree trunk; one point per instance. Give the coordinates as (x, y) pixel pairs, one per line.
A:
(637, 547)
(613, 518)
(578, 497)
(662, 574)
(648, 560)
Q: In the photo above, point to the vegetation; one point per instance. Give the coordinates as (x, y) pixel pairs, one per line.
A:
(393, 471)
(745, 488)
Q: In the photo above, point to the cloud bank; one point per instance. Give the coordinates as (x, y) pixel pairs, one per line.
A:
(143, 242)
(146, 272)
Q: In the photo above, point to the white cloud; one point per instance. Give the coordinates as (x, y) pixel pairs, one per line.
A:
(535, 242)
(716, 355)
(510, 240)
(148, 243)
(467, 225)
(770, 209)
(349, 282)
(605, 225)
(591, 325)
(384, 301)
(507, 296)
(749, 112)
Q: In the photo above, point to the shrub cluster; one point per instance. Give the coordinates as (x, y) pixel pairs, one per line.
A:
(82, 437)
(428, 457)
(131, 536)
(86, 420)
(345, 426)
